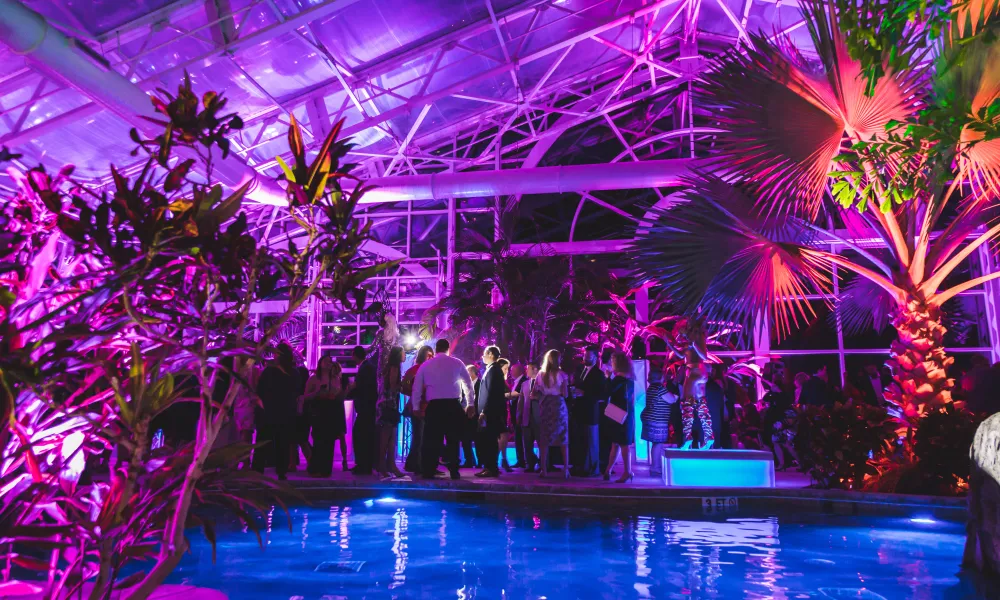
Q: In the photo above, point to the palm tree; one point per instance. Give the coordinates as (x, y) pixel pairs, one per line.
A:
(900, 164)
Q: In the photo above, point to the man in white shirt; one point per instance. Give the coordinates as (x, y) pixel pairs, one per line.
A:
(441, 386)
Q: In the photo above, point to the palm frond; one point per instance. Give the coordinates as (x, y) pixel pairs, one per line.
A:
(711, 254)
(971, 85)
(786, 118)
(863, 306)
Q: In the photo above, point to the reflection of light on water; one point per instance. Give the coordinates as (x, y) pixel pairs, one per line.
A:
(270, 520)
(343, 522)
(399, 547)
(643, 535)
(755, 538)
(305, 527)
(443, 531)
(334, 512)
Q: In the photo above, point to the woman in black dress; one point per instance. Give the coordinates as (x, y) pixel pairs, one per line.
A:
(660, 400)
(324, 400)
(622, 435)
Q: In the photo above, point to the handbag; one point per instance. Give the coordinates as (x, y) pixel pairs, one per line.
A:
(615, 413)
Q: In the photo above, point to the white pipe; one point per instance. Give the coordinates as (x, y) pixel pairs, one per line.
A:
(538, 180)
(28, 34)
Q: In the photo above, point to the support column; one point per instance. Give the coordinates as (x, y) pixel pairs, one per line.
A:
(761, 346)
(452, 234)
(992, 296)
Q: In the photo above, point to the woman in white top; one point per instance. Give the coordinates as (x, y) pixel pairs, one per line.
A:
(552, 387)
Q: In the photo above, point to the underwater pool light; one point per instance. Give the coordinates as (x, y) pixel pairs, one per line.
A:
(923, 520)
(386, 500)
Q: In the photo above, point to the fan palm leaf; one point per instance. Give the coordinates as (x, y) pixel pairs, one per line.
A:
(712, 254)
(786, 120)
(972, 85)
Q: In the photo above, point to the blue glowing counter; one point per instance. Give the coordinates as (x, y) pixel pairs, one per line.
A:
(718, 468)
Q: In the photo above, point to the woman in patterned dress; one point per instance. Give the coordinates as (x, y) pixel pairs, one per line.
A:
(552, 386)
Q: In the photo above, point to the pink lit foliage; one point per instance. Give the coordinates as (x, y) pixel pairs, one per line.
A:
(117, 303)
(886, 150)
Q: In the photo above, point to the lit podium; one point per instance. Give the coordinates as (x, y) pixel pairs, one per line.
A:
(718, 468)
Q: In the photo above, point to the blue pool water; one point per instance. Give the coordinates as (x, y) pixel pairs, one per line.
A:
(390, 548)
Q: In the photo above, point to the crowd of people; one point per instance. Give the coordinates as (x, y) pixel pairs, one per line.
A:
(577, 422)
(461, 416)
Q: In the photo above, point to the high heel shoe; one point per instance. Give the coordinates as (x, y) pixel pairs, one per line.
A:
(708, 445)
(627, 477)
(565, 473)
(607, 477)
(543, 474)
(686, 445)
(508, 469)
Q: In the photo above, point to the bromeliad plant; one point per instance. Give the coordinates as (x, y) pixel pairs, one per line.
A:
(885, 144)
(114, 305)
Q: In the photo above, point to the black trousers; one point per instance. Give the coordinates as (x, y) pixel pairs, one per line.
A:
(363, 434)
(469, 429)
(519, 446)
(443, 419)
(282, 436)
(604, 437)
(416, 440)
(488, 445)
(585, 443)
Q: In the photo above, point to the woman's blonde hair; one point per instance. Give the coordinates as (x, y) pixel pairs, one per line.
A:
(621, 364)
(550, 366)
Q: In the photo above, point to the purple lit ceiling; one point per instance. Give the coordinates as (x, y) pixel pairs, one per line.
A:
(424, 85)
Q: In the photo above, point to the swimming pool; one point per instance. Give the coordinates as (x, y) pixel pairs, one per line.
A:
(390, 548)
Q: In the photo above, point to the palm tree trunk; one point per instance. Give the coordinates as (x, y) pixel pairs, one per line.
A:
(918, 359)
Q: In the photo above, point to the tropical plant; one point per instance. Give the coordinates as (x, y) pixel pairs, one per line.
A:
(937, 462)
(870, 147)
(840, 446)
(116, 305)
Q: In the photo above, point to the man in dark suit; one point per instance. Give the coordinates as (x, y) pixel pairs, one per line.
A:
(816, 390)
(590, 393)
(518, 378)
(365, 399)
(492, 402)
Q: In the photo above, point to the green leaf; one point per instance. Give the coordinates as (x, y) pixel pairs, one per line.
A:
(289, 175)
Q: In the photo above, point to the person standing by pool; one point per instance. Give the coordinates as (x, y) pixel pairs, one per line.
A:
(514, 395)
(656, 417)
(552, 388)
(471, 421)
(492, 402)
(622, 434)
(412, 463)
(278, 389)
(529, 414)
(438, 389)
(365, 401)
(388, 416)
(325, 409)
(591, 391)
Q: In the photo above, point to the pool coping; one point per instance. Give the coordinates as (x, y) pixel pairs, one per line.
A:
(772, 500)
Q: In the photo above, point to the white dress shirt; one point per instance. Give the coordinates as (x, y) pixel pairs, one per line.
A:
(442, 377)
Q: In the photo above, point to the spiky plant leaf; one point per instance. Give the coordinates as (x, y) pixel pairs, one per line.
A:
(786, 120)
(710, 253)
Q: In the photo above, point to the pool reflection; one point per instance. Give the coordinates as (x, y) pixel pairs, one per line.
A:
(407, 549)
